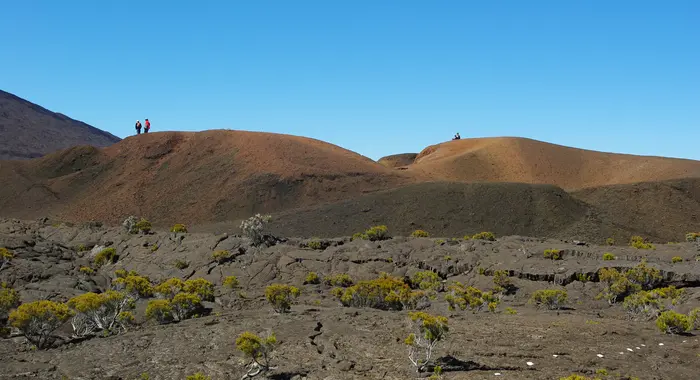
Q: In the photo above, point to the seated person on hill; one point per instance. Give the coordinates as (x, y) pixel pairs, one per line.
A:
(457, 137)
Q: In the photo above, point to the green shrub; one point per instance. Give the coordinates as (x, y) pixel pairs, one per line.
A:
(676, 259)
(134, 285)
(82, 248)
(439, 241)
(552, 299)
(577, 377)
(38, 320)
(312, 278)
(315, 244)
(180, 264)
(638, 242)
(106, 256)
(201, 287)
(670, 322)
(502, 281)
(610, 241)
(647, 304)
(607, 256)
(341, 279)
(385, 293)
(619, 285)
(86, 270)
(484, 236)
(463, 297)
(179, 228)
(428, 331)
(373, 234)
(420, 234)
(221, 256)
(159, 310)
(198, 376)
(98, 312)
(582, 277)
(154, 248)
(281, 296)
(511, 311)
(694, 316)
(231, 282)
(143, 226)
(692, 236)
(184, 305)
(257, 350)
(553, 254)
(426, 280)
(169, 288)
(9, 299)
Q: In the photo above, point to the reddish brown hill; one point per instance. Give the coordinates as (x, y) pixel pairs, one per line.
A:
(191, 177)
(28, 130)
(529, 161)
(398, 160)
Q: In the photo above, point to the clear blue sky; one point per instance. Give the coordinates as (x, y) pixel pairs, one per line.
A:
(377, 77)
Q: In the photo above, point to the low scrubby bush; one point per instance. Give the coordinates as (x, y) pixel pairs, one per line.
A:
(254, 227)
(676, 259)
(38, 320)
(143, 226)
(426, 280)
(5, 257)
(9, 299)
(99, 312)
(105, 256)
(427, 331)
(619, 285)
(257, 350)
(281, 296)
(179, 228)
(385, 293)
(221, 256)
(315, 244)
(341, 279)
(419, 234)
(373, 234)
(160, 310)
(692, 236)
(463, 297)
(610, 241)
(607, 256)
(552, 299)
(647, 305)
(134, 285)
(670, 322)
(552, 254)
(484, 236)
(639, 242)
(312, 278)
(181, 264)
(198, 376)
(169, 288)
(231, 282)
(201, 287)
(185, 305)
(502, 281)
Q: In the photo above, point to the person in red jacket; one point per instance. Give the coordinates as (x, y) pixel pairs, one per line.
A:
(147, 127)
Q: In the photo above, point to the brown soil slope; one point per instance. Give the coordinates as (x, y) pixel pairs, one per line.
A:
(660, 211)
(28, 130)
(528, 161)
(190, 177)
(398, 160)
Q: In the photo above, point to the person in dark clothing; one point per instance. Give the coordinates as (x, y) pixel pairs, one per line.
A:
(138, 127)
(148, 126)
(457, 137)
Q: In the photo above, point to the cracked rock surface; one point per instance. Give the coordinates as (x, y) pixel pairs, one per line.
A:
(319, 338)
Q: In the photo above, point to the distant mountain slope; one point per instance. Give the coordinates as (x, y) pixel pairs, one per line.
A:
(510, 159)
(28, 130)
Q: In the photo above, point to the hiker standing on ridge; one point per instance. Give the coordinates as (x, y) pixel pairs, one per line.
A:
(148, 126)
(138, 127)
